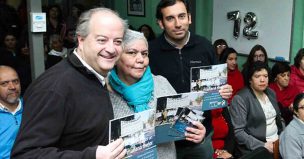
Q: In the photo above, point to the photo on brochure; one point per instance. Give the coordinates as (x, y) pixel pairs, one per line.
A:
(138, 132)
(167, 111)
(209, 79)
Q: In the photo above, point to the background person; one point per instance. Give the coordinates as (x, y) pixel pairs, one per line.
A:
(297, 71)
(10, 109)
(292, 138)
(255, 114)
(285, 91)
(67, 109)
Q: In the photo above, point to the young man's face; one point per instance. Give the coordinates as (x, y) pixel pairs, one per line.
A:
(175, 21)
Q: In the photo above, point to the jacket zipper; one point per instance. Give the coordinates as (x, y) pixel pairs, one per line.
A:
(181, 65)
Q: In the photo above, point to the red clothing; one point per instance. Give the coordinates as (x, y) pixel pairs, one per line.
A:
(220, 129)
(297, 78)
(286, 96)
(235, 79)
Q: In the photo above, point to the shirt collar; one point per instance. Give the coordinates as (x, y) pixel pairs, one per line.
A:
(2, 107)
(174, 44)
(99, 77)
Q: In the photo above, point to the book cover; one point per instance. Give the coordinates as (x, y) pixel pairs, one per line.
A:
(174, 113)
(209, 79)
(138, 132)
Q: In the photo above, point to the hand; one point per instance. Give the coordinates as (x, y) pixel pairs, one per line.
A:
(197, 133)
(114, 150)
(222, 154)
(226, 91)
(269, 146)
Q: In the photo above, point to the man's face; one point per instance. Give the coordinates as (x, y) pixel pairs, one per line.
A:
(175, 21)
(103, 45)
(10, 42)
(9, 87)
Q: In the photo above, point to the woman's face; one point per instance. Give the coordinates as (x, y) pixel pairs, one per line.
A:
(300, 112)
(220, 48)
(282, 79)
(302, 64)
(259, 80)
(133, 61)
(232, 61)
(259, 56)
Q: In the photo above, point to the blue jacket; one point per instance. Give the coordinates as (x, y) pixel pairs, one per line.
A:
(9, 126)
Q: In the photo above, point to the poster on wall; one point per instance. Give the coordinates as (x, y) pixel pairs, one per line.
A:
(246, 23)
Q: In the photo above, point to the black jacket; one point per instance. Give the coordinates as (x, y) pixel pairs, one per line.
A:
(66, 114)
(175, 64)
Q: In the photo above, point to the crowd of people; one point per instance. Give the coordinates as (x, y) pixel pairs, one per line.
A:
(98, 69)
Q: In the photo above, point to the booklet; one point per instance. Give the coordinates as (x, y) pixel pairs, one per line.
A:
(174, 113)
(209, 79)
(138, 132)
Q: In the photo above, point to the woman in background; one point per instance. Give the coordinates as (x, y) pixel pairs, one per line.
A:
(219, 46)
(285, 91)
(255, 114)
(297, 71)
(257, 53)
(292, 138)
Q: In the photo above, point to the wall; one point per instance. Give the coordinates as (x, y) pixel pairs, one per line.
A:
(204, 21)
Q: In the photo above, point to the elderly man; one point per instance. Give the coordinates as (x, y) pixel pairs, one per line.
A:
(10, 109)
(67, 109)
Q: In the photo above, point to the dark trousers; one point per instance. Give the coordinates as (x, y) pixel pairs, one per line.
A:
(199, 151)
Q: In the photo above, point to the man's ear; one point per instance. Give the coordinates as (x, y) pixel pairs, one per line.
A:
(189, 16)
(160, 23)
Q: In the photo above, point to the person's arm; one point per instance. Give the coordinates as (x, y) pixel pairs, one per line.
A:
(238, 112)
(290, 146)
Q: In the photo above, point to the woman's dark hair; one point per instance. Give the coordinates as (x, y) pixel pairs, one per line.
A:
(297, 100)
(219, 42)
(250, 58)
(298, 58)
(166, 3)
(256, 66)
(226, 52)
(279, 67)
(151, 34)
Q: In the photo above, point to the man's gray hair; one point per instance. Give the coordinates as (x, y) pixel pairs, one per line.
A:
(82, 28)
(132, 35)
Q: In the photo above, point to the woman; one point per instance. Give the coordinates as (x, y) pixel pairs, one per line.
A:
(222, 139)
(235, 78)
(297, 71)
(219, 45)
(292, 138)
(257, 53)
(135, 89)
(147, 31)
(255, 114)
(285, 91)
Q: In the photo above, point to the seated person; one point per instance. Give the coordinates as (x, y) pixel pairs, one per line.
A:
(297, 71)
(284, 90)
(10, 109)
(292, 138)
(57, 51)
(255, 114)
(257, 53)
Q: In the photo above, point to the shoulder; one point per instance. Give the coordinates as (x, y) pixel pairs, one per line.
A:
(162, 86)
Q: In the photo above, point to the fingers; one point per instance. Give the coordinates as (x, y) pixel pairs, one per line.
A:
(195, 135)
(226, 91)
(122, 154)
(113, 145)
(118, 151)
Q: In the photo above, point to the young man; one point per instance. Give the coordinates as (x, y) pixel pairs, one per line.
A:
(173, 54)
(10, 109)
(67, 109)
